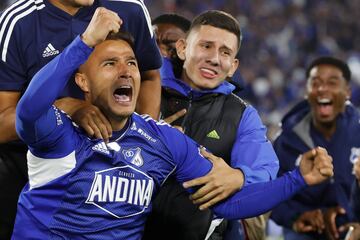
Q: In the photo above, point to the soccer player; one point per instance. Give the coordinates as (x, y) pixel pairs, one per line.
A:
(84, 188)
(327, 119)
(31, 34)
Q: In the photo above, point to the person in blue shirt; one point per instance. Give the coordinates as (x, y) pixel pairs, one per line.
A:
(327, 119)
(82, 188)
(215, 118)
(31, 34)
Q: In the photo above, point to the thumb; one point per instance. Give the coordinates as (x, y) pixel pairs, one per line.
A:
(309, 154)
(340, 210)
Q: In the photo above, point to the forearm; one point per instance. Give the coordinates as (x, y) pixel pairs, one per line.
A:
(150, 94)
(258, 198)
(69, 105)
(7, 126)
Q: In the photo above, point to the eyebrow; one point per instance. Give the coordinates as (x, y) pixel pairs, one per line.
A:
(222, 47)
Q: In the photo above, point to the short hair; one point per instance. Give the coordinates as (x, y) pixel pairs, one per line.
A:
(218, 19)
(174, 19)
(121, 35)
(344, 68)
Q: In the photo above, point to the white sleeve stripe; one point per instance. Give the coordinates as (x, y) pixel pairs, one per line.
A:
(13, 22)
(146, 13)
(43, 170)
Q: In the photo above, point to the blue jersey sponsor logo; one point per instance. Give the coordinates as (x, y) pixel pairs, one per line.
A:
(121, 191)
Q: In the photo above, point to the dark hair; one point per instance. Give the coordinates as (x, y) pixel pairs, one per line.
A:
(125, 36)
(173, 18)
(330, 61)
(218, 19)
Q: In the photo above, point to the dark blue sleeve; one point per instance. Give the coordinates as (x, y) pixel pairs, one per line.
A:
(13, 75)
(252, 151)
(36, 118)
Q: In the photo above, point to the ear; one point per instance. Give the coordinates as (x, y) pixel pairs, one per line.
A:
(180, 48)
(81, 81)
(234, 66)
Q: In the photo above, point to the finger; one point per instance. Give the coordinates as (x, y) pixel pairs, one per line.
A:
(321, 150)
(210, 203)
(333, 228)
(89, 131)
(207, 197)
(309, 154)
(326, 172)
(175, 116)
(211, 157)
(196, 182)
(102, 128)
(179, 128)
(105, 121)
(206, 189)
(115, 16)
(93, 126)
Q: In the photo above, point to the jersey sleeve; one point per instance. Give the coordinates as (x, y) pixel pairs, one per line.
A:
(186, 155)
(258, 198)
(252, 151)
(38, 123)
(13, 75)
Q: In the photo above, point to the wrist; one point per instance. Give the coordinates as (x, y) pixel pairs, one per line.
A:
(87, 40)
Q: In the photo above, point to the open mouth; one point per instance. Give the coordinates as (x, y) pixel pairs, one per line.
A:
(208, 73)
(325, 106)
(123, 94)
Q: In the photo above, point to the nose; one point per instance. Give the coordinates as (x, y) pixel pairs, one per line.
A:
(322, 87)
(123, 71)
(213, 57)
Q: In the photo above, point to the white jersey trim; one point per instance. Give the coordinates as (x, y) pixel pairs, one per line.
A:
(145, 10)
(8, 14)
(44, 170)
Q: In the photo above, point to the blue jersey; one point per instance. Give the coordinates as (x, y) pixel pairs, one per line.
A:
(33, 32)
(81, 188)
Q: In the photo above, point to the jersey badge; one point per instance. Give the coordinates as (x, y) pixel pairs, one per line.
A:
(133, 155)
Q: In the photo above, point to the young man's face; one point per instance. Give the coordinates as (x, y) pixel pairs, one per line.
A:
(209, 55)
(111, 79)
(166, 37)
(327, 91)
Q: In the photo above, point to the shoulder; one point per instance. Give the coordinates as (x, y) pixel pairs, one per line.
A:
(18, 20)
(132, 6)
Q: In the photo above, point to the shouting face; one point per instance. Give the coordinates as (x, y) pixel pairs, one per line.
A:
(110, 79)
(327, 91)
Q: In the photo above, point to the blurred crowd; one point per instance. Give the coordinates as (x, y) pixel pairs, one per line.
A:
(281, 37)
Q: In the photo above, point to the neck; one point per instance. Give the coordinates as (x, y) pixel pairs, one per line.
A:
(118, 124)
(326, 129)
(186, 79)
(70, 8)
